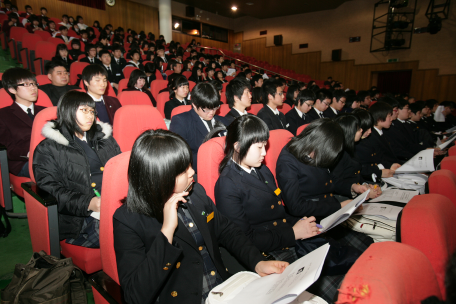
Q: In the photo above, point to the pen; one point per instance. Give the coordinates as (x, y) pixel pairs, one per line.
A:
(318, 225)
(96, 192)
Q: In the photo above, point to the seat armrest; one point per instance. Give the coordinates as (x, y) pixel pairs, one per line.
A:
(47, 200)
(38, 64)
(107, 287)
(6, 186)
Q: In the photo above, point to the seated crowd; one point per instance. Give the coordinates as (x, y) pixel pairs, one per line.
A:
(352, 141)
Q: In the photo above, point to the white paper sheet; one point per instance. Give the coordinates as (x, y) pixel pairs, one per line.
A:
(395, 195)
(285, 287)
(343, 214)
(451, 130)
(423, 161)
(381, 210)
(448, 141)
(414, 181)
(231, 72)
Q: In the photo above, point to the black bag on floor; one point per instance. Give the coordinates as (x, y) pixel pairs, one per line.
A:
(45, 279)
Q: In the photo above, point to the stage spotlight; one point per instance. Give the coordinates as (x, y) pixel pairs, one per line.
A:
(234, 8)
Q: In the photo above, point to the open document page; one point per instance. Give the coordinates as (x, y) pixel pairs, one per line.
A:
(395, 195)
(380, 210)
(343, 214)
(448, 141)
(285, 287)
(451, 130)
(423, 161)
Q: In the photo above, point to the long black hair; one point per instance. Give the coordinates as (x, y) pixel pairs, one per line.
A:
(246, 130)
(157, 158)
(176, 83)
(134, 76)
(350, 124)
(323, 138)
(67, 108)
(365, 118)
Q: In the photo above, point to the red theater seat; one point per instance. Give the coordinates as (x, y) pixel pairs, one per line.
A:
(158, 85)
(224, 109)
(254, 109)
(210, 154)
(452, 151)
(187, 74)
(27, 53)
(132, 120)
(128, 70)
(388, 272)
(180, 109)
(161, 100)
(449, 163)
(277, 140)
(443, 182)
(300, 129)
(75, 70)
(428, 224)
(284, 108)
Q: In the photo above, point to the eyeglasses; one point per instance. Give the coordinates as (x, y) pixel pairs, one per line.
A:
(280, 94)
(326, 104)
(210, 110)
(87, 111)
(310, 105)
(28, 84)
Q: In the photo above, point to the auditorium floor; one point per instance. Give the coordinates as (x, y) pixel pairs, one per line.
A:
(17, 247)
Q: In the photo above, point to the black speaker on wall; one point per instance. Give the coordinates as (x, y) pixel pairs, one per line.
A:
(337, 55)
(278, 40)
(190, 11)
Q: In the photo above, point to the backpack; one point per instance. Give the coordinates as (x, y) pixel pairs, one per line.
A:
(45, 279)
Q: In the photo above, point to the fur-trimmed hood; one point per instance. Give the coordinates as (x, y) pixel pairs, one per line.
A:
(48, 131)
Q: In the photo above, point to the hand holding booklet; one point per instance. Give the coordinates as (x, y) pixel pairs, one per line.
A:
(272, 289)
(423, 161)
(343, 214)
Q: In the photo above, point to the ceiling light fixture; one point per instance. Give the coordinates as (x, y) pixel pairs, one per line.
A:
(176, 25)
(234, 8)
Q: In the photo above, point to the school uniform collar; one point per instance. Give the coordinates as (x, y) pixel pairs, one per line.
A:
(241, 113)
(95, 99)
(299, 112)
(334, 110)
(24, 108)
(380, 132)
(276, 112)
(318, 111)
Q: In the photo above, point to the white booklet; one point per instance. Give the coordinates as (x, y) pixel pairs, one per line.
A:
(447, 142)
(275, 288)
(451, 130)
(380, 210)
(395, 195)
(343, 214)
(423, 161)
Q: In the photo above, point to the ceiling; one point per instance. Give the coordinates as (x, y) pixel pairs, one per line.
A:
(263, 8)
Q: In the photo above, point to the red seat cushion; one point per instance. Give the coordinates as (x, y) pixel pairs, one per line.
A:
(443, 182)
(449, 163)
(277, 140)
(210, 154)
(88, 259)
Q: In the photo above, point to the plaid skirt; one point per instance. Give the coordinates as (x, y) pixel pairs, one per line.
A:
(89, 235)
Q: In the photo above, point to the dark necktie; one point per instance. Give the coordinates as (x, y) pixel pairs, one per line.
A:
(209, 123)
(278, 117)
(64, 59)
(253, 173)
(30, 114)
(321, 115)
(91, 60)
(303, 117)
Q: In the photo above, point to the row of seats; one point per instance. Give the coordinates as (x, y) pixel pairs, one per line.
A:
(432, 232)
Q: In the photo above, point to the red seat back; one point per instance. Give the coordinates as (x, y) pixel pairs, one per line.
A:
(428, 225)
(43, 79)
(187, 74)
(277, 140)
(43, 34)
(387, 272)
(255, 108)
(161, 100)
(115, 188)
(158, 85)
(122, 85)
(284, 108)
(449, 163)
(55, 41)
(45, 50)
(229, 78)
(223, 97)
(6, 100)
(169, 72)
(17, 33)
(134, 98)
(40, 120)
(452, 151)
(224, 86)
(300, 129)
(75, 69)
(128, 70)
(443, 182)
(191, 85)
(132, 120)
(180, 109)
(210, 154)
(224, 109)
(30, 41)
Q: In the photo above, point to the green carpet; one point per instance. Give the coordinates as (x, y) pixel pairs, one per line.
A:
(17, 247)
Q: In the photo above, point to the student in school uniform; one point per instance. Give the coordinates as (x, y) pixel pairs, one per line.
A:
(272, 98)
(135, 60)
(168, 231)
(297, 116)
(178, 92)
(149, 69)
(91, 51)
(95, 82)
(137, 82)
(238, 97)
(114, 72)
(322, 102)
(337, 104)
(195, 124)
(364, 99)
(117, 58)
(375, 150)
(291, 95)
(417, 126)
(61, 53)
(34, 25)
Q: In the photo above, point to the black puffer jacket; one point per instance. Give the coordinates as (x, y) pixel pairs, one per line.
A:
(61, 168)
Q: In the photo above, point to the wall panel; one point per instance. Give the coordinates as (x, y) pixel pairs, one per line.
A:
(124, 13)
